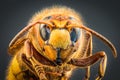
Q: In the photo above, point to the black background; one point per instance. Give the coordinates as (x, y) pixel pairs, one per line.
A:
(102, 16)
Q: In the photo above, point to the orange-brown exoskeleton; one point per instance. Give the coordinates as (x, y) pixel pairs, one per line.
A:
(54, 43)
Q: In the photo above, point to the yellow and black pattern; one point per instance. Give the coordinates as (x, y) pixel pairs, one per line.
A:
(52, 45)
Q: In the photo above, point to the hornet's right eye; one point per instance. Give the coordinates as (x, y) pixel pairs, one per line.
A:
(44, 31)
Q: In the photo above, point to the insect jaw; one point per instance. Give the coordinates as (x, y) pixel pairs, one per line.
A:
(59, 40)
(58, 59)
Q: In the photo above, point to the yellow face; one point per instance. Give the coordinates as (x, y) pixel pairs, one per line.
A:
(60, 38)
(56, 41)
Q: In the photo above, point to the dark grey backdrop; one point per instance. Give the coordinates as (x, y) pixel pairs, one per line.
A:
(102, 16)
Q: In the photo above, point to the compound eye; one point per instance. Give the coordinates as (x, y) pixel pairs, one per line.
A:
(48, 17)
(44, 31)
(75, 33)
(72, 18)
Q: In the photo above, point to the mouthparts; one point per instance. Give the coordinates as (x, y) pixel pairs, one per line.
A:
(58, 59)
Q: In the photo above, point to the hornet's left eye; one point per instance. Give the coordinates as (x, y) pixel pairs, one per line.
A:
(44, 32)
(75, 33)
